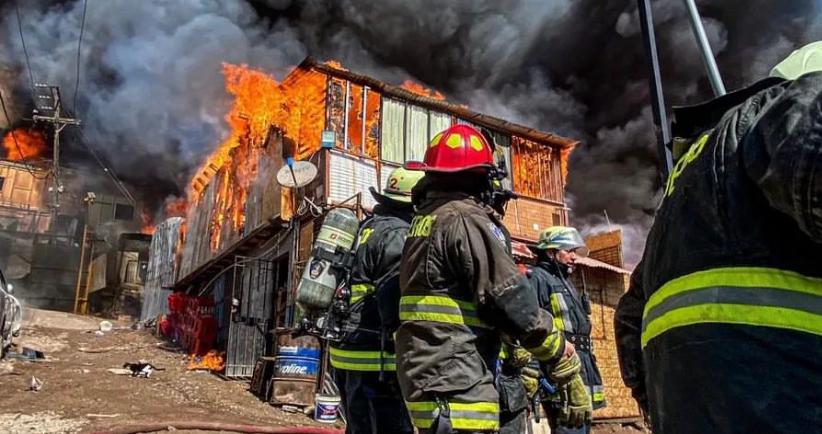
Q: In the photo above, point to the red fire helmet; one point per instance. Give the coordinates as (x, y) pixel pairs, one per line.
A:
(457, 148)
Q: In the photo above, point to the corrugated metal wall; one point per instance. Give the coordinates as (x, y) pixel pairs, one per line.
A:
(162, 268)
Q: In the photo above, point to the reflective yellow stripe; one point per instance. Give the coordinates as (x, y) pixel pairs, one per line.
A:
(464, 415)
(356, 360)
(763, 297)
(549, 348)
(439, 309)
(360, 290)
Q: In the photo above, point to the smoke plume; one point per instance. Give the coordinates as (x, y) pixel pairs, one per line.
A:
(152, 97)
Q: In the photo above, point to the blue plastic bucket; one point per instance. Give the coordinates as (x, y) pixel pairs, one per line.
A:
(325, 408)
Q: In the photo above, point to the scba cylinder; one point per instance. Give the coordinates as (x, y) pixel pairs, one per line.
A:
(322, 275)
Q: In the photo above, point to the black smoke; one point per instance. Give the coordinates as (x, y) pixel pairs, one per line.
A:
(152, 93)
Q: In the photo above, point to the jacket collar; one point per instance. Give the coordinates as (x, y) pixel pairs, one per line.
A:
(692, 120)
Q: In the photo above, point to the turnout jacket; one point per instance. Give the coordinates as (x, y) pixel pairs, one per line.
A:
(721, 330)
(375, 294)
(460, 290)
(571, 311)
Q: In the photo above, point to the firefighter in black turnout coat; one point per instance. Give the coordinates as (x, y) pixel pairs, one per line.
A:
(721, 329)
(460, 291)
(364, 362)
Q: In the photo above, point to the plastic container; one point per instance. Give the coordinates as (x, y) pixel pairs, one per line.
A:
(325, 408)
(297, 361)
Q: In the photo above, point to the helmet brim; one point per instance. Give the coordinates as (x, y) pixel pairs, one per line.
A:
(389, 196)
(418, 165)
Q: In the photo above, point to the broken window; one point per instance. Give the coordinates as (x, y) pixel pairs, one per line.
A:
(355, 127)
(502, 156)
(336, 110)
(536, 170)
(372, 123)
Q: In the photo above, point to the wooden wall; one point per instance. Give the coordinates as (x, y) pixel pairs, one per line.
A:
(604, 288)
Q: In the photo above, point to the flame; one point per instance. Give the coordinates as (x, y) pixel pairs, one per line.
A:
(416, 88)
(563, 163)
(261, 105)
(212, 361)
(176, 207)
(148, 226)
(335, 64)
(30, 144)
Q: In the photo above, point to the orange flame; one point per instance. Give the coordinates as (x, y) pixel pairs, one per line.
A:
(335, 64)
(261, 106)
(212, 361)
(30, 143)
(416, 88)
(148, 227)
(563, 163)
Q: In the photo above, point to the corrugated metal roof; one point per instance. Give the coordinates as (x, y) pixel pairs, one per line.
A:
(460, 111)
(593, 263)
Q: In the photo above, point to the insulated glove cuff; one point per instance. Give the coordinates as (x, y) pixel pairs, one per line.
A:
(551, 348)
(565, 370)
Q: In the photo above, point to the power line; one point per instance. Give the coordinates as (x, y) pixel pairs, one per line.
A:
(25, 50)
(17, 144)
(113, 176)
(79, 46)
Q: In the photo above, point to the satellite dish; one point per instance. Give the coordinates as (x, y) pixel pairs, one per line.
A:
(298, 174)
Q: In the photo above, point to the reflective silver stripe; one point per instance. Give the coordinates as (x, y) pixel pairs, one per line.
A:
(565, 314)
(455, 415)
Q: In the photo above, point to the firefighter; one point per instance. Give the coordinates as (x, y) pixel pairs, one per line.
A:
(364, 360)
(460, 291)
(557, 251)
(721, 329)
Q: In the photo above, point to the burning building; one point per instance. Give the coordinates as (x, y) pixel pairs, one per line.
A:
(246, 238)
(47, 247)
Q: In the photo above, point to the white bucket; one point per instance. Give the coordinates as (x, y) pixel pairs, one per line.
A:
(325, 408)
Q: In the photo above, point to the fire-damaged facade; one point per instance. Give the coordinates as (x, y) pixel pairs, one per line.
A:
(47, 251)
(245, 238)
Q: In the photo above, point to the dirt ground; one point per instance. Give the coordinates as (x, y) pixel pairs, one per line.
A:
(79, 394)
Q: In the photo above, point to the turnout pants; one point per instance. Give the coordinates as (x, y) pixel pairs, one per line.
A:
(372, 406)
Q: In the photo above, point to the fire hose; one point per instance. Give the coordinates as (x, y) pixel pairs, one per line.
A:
(215, 426)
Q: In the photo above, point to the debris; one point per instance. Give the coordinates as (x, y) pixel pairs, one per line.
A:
(99, 333)
(119, 371)
(31, 353)
(100, 415)
(291, 409)
(36, 384)
(106, 326)
(95, 350)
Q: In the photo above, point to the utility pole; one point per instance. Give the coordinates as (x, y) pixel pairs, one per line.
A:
(49, 103)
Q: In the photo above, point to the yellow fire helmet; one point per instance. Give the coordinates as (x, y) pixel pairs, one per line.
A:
(562, 238)
(802, 61)
(399, 184)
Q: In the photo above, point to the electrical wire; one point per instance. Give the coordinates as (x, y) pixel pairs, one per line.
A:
(25, 50)
(110, 172)
(79, 46)
(17, 144)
